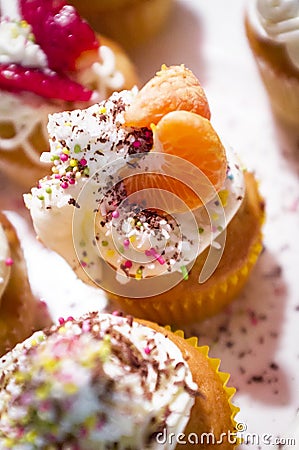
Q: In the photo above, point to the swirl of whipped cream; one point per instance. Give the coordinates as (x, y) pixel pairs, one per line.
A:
(4, 266)
(91, 383)
(280, 21)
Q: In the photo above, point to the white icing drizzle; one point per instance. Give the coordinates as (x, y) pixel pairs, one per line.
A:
(24, 117)
(103, 74)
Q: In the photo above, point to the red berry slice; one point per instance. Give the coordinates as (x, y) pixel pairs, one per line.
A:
(60, 31)
(47, 84)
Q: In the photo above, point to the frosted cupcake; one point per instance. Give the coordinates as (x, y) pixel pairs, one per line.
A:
(20, 313)
(50, 60)
(105, 381)
(273, 32)
(145, 201)
(130, 22)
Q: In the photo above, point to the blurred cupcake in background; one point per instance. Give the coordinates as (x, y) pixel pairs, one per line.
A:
(130, 22)
(273, 32)
(20, 313)
(50, 60)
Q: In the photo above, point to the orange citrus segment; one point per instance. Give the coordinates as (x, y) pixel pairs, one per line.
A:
(193, 139)
(173, 88)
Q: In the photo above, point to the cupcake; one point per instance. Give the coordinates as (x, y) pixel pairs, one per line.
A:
(50, 60)
(130, 22)
(20, 313)
(149, 204)
(273, 33)
(106, 381)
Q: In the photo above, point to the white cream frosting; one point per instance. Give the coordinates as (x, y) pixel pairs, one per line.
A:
(4, 267)
(117, 380)
(97, 137)
(17, 45)
(10, 9)
(278, 20)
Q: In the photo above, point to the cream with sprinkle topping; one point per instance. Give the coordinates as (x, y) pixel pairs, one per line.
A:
(91, 150)
(93, 382)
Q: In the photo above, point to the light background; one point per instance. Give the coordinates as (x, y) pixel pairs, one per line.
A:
(257, 337)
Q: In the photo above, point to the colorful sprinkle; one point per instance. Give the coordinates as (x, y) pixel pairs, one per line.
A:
(73, 162)
(223, 195)
(64, 185)
(104, 243)
(136, 144)
(64, 157)
(126, 242)
(184, 271)
(9, 262)
(128, 264)
(77, 148)
(115, 214)
(83, 162)
(161, 260)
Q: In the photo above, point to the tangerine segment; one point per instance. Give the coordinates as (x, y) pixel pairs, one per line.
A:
(200, 170)
(173, 88)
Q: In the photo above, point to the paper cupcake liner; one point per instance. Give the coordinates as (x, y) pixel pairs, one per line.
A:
(223, 376)
(283, 92)
(130, 24)
(199, 305)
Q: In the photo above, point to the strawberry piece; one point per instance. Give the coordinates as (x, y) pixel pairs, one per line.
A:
(47, 84)
(60, 31)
